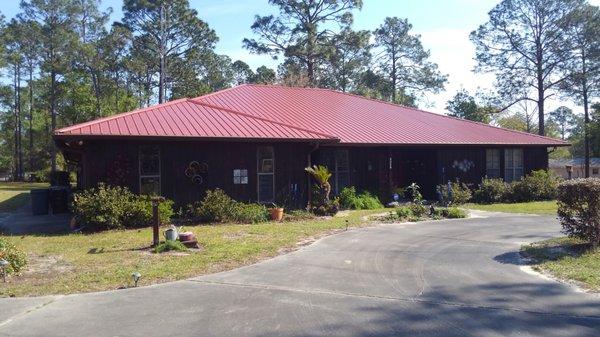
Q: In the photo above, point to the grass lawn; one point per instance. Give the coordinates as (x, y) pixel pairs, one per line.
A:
(535, 207)
(79, 262)
(567, 259)
(15, 195)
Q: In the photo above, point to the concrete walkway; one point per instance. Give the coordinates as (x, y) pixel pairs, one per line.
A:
(24, 222)
(445, 278)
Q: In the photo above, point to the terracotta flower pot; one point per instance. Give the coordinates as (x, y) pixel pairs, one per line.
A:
(276, 213)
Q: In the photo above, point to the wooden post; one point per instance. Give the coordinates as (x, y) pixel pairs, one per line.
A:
(155, 220)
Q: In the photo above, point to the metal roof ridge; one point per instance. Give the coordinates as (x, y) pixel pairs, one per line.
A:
(411, 108)
(212, 106)
(120, 115)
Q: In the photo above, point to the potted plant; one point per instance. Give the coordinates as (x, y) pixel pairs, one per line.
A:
(276, 212)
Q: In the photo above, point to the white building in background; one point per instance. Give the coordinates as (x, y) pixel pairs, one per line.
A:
(559, 167)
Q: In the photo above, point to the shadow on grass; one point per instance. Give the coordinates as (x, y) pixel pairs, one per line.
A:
(555, 250)
(14, 202)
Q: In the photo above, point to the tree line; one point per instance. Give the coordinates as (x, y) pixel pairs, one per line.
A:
(540, 49)
(66, 62)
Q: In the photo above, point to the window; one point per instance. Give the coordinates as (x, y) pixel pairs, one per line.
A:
(595, 171)
(492, 163)
(265, 172)
(513, 164)
(240, 176)
(338, 164)
(149, 167)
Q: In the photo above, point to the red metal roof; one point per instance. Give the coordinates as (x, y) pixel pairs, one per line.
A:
(277, 112)
(188, 119)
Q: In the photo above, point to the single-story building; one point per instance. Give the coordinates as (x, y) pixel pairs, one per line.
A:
(254, 141)
(561, 167)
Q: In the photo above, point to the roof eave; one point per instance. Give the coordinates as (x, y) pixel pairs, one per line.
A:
(62, 136)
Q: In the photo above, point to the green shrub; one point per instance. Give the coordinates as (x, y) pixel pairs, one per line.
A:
(139, 212)
(458, 193)
(454, 213)
(113, 207)
(249, 213)
(215, 207)
(536, 186)
(330, 208)
(15, 257)
(418, 210)
(348, 199)
(320, 203)
(404, 212)
(491, 191)
(579, 209)
(168, 246)
(448, 213)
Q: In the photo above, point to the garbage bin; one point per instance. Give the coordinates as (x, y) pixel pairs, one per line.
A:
(59, 199)
(39, 201)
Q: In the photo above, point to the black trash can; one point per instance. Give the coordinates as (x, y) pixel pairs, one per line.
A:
(59, 199)
(39, 201)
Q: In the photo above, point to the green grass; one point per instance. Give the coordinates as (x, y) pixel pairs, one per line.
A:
(101, 261)
(15, 195)
(535, 207)
(567, 259)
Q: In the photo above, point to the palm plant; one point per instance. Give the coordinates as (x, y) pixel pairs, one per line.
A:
(321, 174)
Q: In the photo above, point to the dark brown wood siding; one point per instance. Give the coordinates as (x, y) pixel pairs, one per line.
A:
(221, 159)
(369, 167)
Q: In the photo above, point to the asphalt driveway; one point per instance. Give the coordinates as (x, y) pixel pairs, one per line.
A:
(444, 278)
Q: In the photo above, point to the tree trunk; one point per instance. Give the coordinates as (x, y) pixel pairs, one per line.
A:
(116, 91)
(19, 123)
(30, 151)
(96, 85)
(310, 57)
(161, 51)
(586, 136)
(394, 75)
(15, 132)
(53, 117)
(585, 94)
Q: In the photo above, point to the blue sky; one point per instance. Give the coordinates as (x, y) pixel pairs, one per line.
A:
(444, 26)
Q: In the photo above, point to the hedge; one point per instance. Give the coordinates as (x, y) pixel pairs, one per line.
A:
(579, 209)
(108, 207)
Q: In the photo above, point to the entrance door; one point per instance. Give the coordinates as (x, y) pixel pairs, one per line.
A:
(415, 166)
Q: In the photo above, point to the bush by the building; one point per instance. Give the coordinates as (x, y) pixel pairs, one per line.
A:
(579, 209)
(349, 199)
(112, 207)
(455, 193)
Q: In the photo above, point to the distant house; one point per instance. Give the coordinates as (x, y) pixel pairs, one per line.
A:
(254, 142)
(559, 166)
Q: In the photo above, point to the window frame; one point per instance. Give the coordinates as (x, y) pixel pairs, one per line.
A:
(513, 169)
(495, 153)
(329, 158)
(142, 176)
(259, 173)
(242, 176)
(337, 171)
